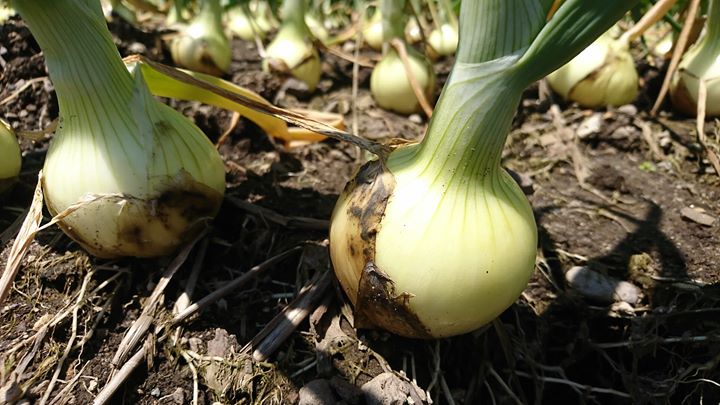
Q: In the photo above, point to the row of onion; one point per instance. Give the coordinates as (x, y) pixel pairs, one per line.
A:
(433, 239)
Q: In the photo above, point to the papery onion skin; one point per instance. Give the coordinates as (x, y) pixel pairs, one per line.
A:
(391, 87)
(603, 74)
(10, 160)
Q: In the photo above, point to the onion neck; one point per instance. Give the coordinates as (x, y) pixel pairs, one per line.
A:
(474, 114)
(505, 45)
(84, 64)
(470, 124)
(393, 19)
(210, 16)
(293, 13)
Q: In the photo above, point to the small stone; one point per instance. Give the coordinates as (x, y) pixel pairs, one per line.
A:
(415, 119)
(590, 126)
(628, 109)
(178, 396)
(348, 46)
(697, 215)
(137, 47)
(195, 344)
(316, 392)
(600, 287)
(623, 308)
(390, 389)
(155, 392)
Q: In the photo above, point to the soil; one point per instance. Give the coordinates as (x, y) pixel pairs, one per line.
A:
(613, 190)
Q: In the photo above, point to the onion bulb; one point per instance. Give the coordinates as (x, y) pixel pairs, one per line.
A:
(10, 161)
(436, 239)
(292, 50)
(242, 24)
(390, 86)
(202, 45)
(413, 32)
(373, 30)
(602, 74)
(700, 63)
(5, 12)
(316, 27)
(140, 175)
(443, 41)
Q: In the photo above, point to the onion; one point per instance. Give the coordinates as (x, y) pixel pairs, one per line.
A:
(700, 63)
(602, 74)
(292, 49)
(413, 32)
(389, 83)
(202, 46)
(436, 239)
(391, 87)
(373, 30)
(140, 175)
(10, 161)
(243, 25)
(444, 40)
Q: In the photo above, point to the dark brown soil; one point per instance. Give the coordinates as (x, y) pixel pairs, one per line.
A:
(602, 199)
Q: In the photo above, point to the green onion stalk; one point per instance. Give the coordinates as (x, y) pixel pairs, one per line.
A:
(436, 239)
(10, 161)
(292, 51)
(389, 83)
(701, 63)
(202, 45)
(132, 176)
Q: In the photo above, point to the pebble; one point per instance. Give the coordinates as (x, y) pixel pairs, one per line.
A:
(389, 389)
(348, 46)
(600, 287)
(628, 109)
(137, 47)
(697, 215)
(155, 392)
(316, 392)
(416, 119)
(590, 126)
